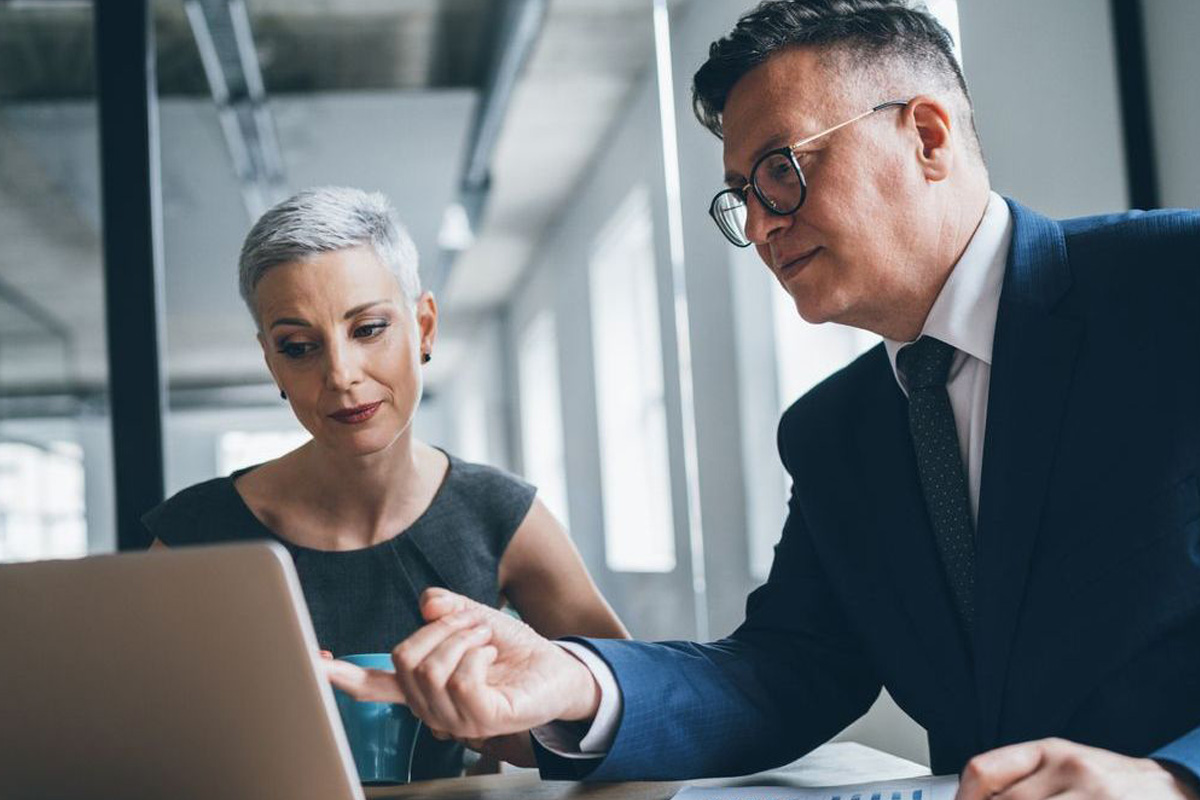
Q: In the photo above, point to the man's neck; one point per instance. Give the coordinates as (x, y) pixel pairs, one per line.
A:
(959, 222)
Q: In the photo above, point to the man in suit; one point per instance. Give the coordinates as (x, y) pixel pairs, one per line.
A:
(995, 513)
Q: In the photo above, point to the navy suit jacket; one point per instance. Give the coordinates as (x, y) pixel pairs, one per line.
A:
(1088, 542)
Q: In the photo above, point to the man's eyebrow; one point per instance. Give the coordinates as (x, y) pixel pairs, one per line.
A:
(737, 179)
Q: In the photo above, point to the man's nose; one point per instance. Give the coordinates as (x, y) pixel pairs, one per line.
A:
(342, 368)
(761, 224)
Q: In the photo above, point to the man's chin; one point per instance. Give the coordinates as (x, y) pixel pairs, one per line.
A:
(814, 313)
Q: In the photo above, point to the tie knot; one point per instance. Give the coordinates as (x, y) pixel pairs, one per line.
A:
(925, 363)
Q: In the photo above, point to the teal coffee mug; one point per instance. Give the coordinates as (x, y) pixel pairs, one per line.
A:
(382, 735)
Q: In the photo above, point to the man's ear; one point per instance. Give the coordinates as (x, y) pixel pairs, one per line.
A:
(934, 126)
(427, 321)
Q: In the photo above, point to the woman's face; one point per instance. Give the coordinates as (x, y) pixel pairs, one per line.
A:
(345, 345)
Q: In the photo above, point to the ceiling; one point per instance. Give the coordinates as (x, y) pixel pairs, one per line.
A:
(376, 93)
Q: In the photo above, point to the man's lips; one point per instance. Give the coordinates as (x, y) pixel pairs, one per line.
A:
(357, 414)
(787, 269)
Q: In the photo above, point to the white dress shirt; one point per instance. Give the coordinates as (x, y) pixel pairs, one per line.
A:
(964, 317)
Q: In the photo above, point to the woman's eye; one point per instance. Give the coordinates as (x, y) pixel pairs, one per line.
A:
(295, 349)
(370, 330)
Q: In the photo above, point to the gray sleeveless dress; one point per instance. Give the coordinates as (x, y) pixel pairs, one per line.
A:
(365, 601)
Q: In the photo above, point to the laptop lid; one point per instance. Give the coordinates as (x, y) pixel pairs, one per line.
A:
(188, 673)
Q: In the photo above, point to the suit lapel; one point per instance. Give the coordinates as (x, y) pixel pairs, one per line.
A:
(1033, 358)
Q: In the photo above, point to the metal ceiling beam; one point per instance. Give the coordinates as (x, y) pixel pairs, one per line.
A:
(30, 308)
(25, 305)
(518, 24)
(223, 36)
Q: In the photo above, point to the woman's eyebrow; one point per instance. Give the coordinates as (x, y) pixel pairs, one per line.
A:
(358, 309)
(361, 308)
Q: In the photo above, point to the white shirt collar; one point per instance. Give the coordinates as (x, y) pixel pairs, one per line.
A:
(964, 313)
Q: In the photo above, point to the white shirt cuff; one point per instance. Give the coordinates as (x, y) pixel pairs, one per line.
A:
(563, 738)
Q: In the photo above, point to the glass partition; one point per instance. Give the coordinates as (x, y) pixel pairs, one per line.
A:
(56, 495)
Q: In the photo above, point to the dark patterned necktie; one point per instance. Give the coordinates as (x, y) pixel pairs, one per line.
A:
(925, 364)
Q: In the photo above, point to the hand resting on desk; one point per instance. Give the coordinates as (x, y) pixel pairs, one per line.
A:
(474, 673)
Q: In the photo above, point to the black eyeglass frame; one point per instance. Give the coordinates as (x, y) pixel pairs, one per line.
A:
(789, 151)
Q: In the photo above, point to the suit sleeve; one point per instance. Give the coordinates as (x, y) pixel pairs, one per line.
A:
(792, 676)
(1184, 753)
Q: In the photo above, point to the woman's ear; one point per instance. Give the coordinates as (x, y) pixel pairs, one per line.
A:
(934, 125)
(427, 322)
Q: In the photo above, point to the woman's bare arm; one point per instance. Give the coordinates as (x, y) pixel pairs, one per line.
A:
(543, 576)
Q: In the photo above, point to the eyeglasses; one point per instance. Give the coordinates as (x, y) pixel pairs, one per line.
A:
(777, 182)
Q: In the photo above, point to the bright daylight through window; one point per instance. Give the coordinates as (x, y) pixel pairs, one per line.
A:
(638, 531)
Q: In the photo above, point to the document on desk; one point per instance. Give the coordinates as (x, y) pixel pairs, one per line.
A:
(943, 788)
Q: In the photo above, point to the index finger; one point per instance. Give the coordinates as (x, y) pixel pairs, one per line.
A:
(996, 770)
(437, 603)
(374, 685)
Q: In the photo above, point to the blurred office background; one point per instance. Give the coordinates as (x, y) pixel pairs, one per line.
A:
(598, 335)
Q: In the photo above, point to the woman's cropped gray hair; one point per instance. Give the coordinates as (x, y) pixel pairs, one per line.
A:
(323, 220)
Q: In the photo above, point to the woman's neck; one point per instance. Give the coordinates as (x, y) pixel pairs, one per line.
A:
(362, 500)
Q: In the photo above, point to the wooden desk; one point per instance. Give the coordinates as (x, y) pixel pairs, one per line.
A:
(829, 765)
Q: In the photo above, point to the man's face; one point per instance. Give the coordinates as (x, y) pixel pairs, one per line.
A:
(843, 255)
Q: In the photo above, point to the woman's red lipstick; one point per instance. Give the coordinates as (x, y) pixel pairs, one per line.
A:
(353, 416)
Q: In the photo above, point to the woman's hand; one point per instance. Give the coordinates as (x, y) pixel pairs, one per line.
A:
(475, 673)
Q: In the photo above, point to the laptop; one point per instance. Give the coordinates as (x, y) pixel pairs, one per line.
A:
(189, 673)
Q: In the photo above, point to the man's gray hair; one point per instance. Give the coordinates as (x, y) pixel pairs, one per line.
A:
(323, 220)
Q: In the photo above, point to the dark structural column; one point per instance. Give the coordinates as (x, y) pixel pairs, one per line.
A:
(1133, 74)
(132, 214)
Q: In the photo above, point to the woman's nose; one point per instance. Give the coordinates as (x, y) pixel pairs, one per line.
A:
(342, 369)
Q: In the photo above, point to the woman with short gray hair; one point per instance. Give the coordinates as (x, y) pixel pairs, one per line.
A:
(371, 515)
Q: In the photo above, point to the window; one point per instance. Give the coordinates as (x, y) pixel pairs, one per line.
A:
(946, 12)
(238, 449)
(807, 354)
(41, 501)
(639, 535)
(541, 414)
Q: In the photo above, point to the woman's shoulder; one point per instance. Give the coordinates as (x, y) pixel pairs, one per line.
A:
(466, 530)
(206, 512)
(487, 487)
(479, 496)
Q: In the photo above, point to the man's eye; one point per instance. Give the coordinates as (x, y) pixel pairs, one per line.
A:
(782, 172)
(296, 349)
(370, 330)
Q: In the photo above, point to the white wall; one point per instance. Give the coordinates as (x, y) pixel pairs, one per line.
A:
(1172, 29)
(1043, 77)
